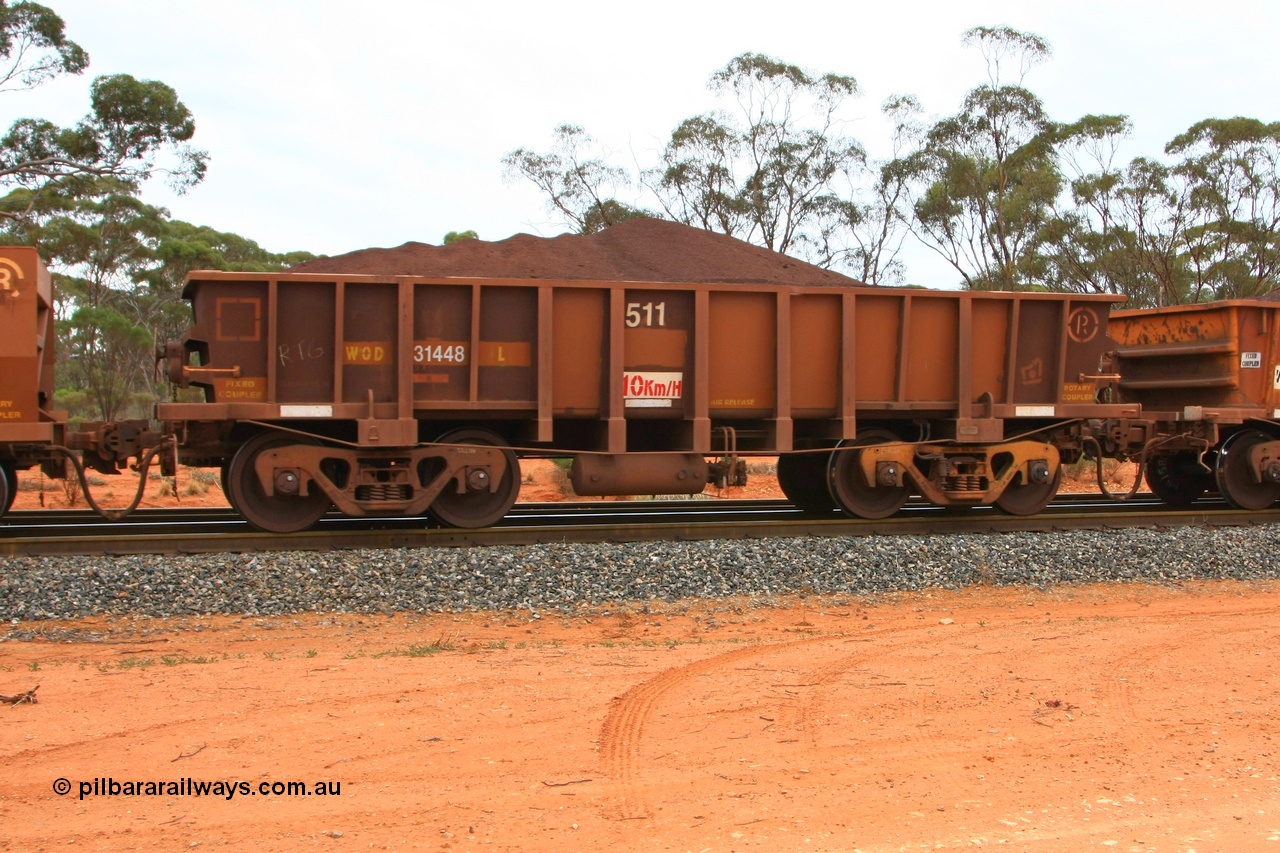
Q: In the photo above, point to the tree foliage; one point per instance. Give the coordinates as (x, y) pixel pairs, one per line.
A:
(986, 179)
(455, 236)
(576, 179)
(769, 172)
(1010, 197)
(74, 192)
(1228, 167)
(98, 244)
(1205, 225)
(867, 228)
(34, 47)
(134, 128)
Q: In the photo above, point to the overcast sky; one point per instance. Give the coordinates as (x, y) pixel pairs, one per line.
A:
(333, 126)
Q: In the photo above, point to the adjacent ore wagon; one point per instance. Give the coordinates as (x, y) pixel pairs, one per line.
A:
(1207, 378)
(411, 395)
(27, 422)
(32, 432)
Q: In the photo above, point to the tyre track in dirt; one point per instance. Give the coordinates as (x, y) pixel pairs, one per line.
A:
(802, 701)
(624, 728)
(1153, 720)
(822, 680)
(850, 698)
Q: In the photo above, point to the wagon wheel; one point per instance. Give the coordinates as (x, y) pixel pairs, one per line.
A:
(1234, 478)
(8, 486)
(223, 473)
(278, 513)
(1177, 479)
(802, 478)
(850, 489)
(478, 506)
(1022, 498)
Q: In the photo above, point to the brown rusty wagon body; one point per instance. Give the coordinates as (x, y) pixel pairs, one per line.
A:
(1208, 380)
(405, 394)
(27, 422)
(32, 432)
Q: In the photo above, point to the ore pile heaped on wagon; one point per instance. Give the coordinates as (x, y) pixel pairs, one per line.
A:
(635, 250)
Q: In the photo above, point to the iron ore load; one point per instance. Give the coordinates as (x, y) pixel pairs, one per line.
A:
(412, 381)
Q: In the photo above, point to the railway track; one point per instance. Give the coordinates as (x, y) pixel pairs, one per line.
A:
(213, 530)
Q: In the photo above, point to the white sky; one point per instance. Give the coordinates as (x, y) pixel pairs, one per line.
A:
(333, 126)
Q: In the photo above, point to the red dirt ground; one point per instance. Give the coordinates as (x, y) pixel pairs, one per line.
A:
(1132, 718)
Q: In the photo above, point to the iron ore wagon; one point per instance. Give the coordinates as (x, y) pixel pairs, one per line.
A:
(413, 395)
(32, 432)
(1207, 378)
(28, 423)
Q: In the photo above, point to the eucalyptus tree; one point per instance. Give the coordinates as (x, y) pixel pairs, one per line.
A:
(99, 242)
(1229, 168)
(73, 191)
(578, 182)
(134, 128)
(867, 226)
(769, 172)
(1204, 225)
(1125, 235)
(34, 47)
(776, 169)
(1089, 245)
(985, 180)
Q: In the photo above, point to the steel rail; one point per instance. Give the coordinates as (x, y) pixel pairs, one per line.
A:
(217, 531)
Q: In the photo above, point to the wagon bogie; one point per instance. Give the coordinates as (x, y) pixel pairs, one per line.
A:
(864, 479)
(477, 478)
(285, 481)
(1031, 490)
(284, 501)
(876, 473)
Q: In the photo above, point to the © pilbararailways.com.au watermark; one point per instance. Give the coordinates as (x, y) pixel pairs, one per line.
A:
(227, 789)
